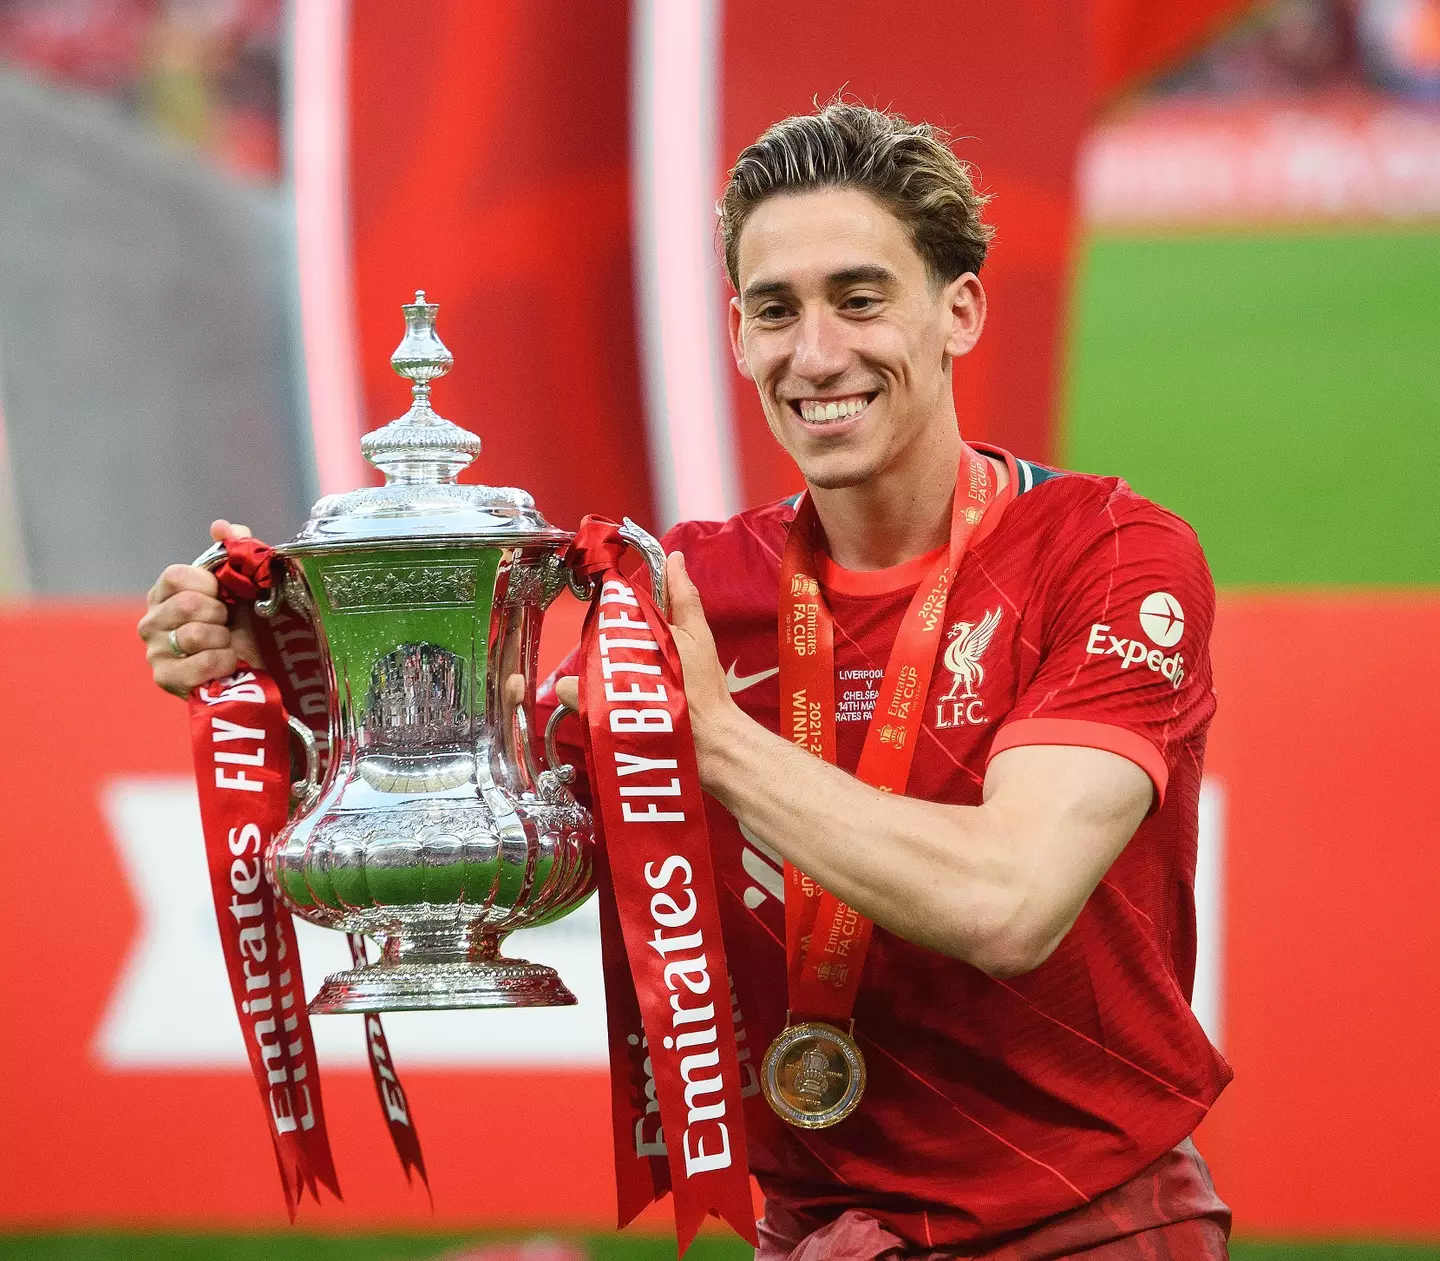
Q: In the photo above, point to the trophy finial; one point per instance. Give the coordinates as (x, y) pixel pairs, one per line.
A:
(421, 446)
(421, 355)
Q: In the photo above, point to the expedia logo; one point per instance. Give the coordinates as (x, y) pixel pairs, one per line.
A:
(1162, 618)
(1163, 621)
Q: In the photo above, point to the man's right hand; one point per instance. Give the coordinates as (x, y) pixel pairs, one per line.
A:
(185, 600)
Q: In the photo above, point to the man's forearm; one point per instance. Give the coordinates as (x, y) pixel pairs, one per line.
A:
(997, 885)
(936, 875)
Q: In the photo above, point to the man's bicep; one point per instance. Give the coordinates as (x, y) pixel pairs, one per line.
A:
(1073, 809)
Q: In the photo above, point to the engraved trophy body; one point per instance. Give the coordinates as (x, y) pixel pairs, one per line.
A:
(433, 829)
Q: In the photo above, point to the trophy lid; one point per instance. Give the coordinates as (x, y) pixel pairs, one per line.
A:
(421, 455)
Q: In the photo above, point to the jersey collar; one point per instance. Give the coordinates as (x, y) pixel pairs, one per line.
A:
(904, 576)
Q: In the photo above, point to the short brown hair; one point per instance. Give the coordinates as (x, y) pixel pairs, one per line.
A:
(907, 167)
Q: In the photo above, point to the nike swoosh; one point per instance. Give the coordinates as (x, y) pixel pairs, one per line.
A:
(738, 683)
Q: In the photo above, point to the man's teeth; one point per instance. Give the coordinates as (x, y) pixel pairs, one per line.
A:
(817, 411)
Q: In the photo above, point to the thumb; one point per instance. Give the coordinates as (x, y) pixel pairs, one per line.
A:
(685, 606)
(221, 530)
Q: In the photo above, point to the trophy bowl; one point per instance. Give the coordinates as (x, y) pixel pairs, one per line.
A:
(431, 826)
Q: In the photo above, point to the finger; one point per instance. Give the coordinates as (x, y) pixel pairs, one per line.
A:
(513, 692)
(567, 690)
(182, 677)
(246, 646)
(193, 638)
(184, 606)
(181, 578)
(221, 529)
(685, 606)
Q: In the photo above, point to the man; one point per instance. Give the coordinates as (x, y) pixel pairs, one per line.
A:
(1020, 829)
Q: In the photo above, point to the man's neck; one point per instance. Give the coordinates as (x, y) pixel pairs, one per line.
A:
(900, 514)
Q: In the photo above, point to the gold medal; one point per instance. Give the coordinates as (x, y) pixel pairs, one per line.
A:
(813, 1075)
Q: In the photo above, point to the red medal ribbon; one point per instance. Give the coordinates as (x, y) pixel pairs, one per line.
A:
(825, 940)
(240, 739)
(659, 911)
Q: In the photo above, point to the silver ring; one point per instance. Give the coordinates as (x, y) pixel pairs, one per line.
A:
(175, 646)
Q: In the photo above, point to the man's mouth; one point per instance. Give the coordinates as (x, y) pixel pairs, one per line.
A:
(826, 411)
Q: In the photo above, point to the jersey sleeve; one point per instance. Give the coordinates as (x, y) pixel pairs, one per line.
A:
(1124, 646)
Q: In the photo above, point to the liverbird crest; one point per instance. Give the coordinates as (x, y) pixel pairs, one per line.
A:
(968, 641)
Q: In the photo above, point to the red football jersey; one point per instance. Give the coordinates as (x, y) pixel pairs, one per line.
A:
(1080, 615)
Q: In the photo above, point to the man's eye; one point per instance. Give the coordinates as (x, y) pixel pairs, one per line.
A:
(772, 312)
(860, 302)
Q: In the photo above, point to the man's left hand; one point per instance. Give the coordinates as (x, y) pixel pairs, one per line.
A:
(706, 694)
(712, 710)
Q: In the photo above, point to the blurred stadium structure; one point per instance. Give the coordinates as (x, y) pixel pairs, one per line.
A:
(205, 76)
(1309, 111)
(146, 276)
(1253, 329)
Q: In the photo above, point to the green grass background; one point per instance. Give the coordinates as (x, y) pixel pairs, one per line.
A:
(1280, 392)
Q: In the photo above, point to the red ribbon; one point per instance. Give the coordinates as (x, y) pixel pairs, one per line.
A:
(675, 1076)
(826, 941)
(241, 743)
(674, 1065)
(242, 756)
(393, 1101)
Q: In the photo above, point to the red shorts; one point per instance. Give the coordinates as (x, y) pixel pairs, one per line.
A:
(1167, 1212)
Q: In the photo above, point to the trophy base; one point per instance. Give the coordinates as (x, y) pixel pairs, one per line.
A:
(447, 986)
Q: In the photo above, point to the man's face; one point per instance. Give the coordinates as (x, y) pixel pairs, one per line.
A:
(846, 337)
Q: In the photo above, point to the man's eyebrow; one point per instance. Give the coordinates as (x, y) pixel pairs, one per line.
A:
(863, 273)
(766, 289)
(871, 272)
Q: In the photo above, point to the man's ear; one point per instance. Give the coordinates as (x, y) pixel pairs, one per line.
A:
(965, 301)
(737, 347)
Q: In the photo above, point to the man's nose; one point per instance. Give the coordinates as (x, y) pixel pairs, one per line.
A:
(819, 349)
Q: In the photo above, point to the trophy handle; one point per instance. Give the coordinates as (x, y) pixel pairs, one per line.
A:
(654, 555)
(210, 557)
(303, 792)
(267, 606)
(552, 780)
(562, 770)
(584, 589)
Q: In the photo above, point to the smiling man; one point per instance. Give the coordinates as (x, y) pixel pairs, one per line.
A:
(951, 707)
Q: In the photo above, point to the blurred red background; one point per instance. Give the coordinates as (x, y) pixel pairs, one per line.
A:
(1330, 974)
(491, 159)
(486, 151)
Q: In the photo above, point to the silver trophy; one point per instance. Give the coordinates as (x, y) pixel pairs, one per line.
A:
(433, 830)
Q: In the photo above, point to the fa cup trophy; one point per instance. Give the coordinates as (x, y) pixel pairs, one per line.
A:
(432, 826)
(398, 636)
